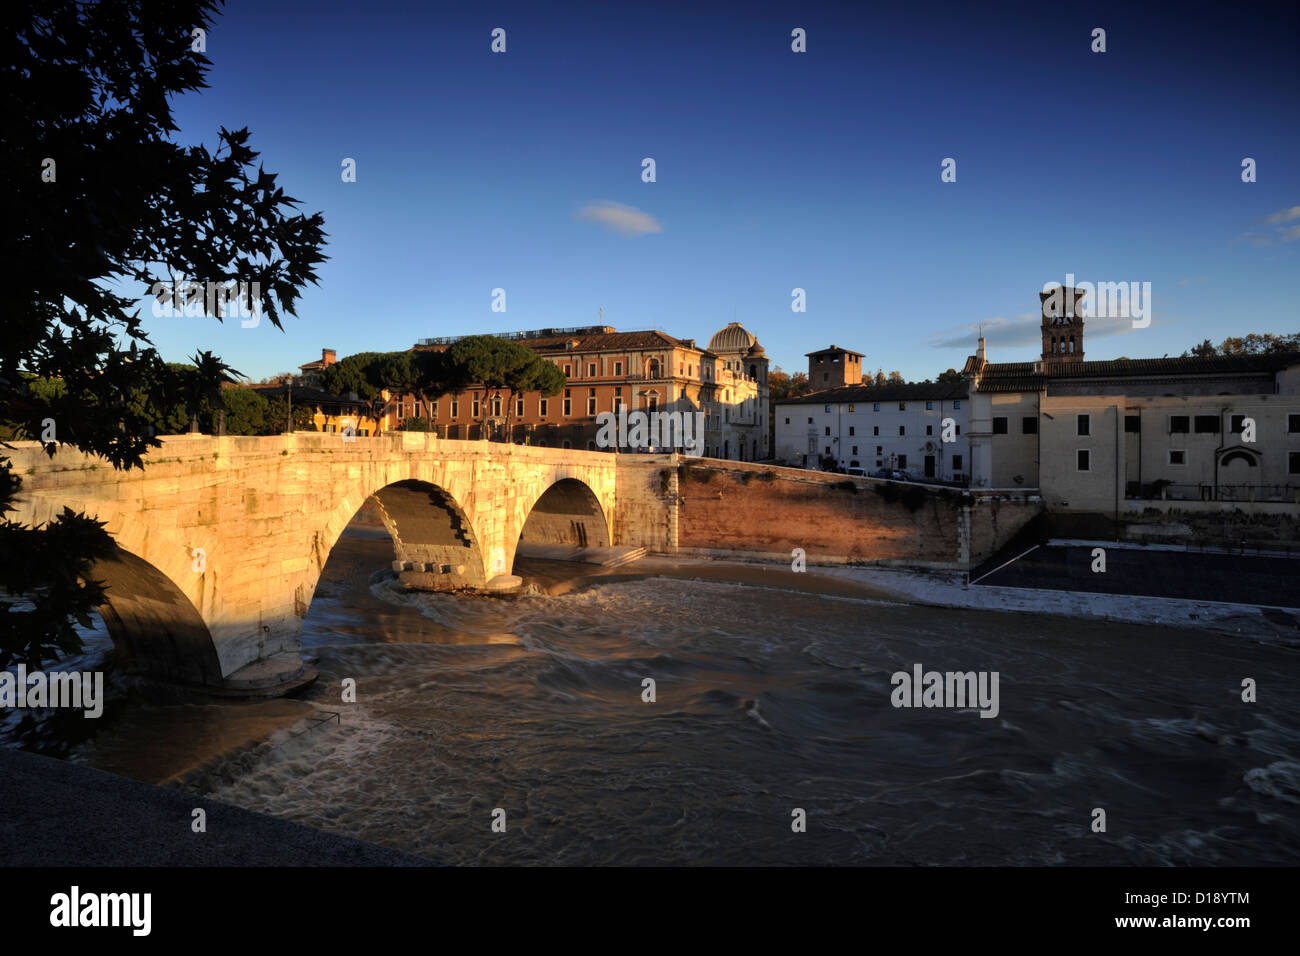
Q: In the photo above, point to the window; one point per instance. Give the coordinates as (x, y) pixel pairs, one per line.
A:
(541, 407)
(879, 462)
(1029, 425)
(1178, 424)
(519, 407)
(902, 461)
(851, 427)
(956, 462)
(455, 408)
(902, 429)
(591, 370)
(1293, 463)
(1177, 457)
(568, 370)
(929, 429)
(875, 406)
(880, 450)
(828, 429)
(433, 409)
(855, 450)
(1083, 424)
(828, 408)
(929, 406)
(1083, 460)
(787, 421)
(956, 404)
(1133, 423)
(852, 407)
(1236, 423)
(476, 407)
(568, 404)
(810, 421)
(1206, 424)
(1293, 423)
(875, 429)
(902, 406)
(618, 368)
(591, 401)
(496, 406)
(999, 426)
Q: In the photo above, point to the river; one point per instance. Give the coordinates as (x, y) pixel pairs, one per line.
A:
(767, 700)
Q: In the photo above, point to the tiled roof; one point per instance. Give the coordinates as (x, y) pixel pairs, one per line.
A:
(599, 342)
(858, 394)
(1021, 376)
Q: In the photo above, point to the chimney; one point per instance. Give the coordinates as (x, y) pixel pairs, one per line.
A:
(327, 357)
(979, 350)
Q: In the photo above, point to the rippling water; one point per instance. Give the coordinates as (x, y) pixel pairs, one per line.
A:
(767, 700)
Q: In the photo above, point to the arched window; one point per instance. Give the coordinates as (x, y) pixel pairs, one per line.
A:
(1238, 456)
(1071, 345)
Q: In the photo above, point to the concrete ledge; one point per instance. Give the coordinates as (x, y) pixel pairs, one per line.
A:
(62, 814)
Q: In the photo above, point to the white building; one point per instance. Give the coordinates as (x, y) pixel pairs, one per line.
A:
(878, 426)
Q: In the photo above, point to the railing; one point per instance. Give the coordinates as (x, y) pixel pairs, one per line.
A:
(1204, 491)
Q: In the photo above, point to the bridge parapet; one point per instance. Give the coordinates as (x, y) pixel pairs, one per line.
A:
(230, 534)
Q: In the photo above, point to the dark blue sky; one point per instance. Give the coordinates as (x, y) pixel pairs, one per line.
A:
(775, 170)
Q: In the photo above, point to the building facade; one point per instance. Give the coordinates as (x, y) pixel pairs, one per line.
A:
(1106, 436)
(898, 427)
(606, 370)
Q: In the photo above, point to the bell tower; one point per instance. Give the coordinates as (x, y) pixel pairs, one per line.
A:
(1062, 325)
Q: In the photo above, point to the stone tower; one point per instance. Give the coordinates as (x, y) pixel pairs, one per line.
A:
(833, 367)
(1062, 325)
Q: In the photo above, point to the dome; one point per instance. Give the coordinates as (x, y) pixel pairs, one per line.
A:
(733, 338)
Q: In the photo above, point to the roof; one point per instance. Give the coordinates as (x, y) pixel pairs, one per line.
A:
(733, 338)
(861, 394)
(1022, 376)
(590, 341)
(834, 348)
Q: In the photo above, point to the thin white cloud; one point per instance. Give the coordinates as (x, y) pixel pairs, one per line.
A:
(625, 220)
(1284, 215)
(1022, 331)
(1276, 220)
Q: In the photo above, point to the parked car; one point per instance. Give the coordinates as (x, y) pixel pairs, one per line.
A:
(858, 472)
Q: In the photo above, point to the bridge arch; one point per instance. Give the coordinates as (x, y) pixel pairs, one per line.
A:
(435, 544)
(567, 513)
(154, 625)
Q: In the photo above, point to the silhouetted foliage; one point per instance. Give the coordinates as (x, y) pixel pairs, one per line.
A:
(88, 86)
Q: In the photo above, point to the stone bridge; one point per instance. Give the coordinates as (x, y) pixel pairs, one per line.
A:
(222, 540)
